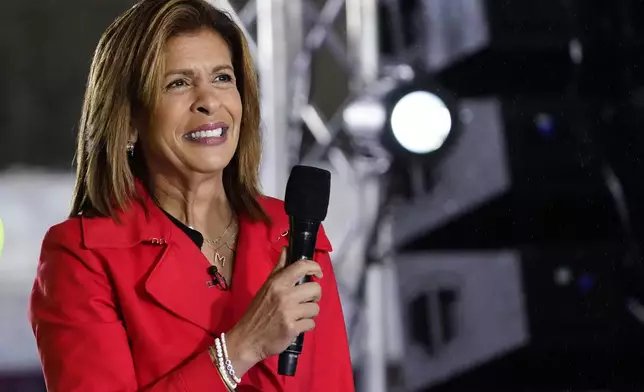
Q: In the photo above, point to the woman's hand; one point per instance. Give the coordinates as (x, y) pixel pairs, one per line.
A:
(277, 314)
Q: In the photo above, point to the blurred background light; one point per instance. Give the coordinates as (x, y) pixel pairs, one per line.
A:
(420, 122)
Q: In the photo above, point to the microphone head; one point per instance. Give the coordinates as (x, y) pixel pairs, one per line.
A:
(307, 193)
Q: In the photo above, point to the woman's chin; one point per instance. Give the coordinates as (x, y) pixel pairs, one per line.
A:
(208, 167)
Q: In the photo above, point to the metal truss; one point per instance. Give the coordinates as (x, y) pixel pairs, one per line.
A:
(285, 55)
(285, 50)
(289, 33)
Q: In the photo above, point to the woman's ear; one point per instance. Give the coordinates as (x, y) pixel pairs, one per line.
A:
(133, 135)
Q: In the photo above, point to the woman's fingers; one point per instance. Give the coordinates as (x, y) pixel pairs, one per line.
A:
(296, 271)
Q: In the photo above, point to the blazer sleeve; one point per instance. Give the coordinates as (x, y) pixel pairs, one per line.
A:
(335, 373)
(81, 340)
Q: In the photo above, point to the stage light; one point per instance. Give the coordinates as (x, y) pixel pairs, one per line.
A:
(422, 118)
(420, 122)
(545, 124)
(410, 115)
(365, 117)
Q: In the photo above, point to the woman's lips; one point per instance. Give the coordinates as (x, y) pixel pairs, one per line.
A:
(208, 134)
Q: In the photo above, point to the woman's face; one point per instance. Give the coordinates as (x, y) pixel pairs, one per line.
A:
(195, 128)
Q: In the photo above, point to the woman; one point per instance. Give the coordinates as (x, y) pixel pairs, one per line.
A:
(168, 274)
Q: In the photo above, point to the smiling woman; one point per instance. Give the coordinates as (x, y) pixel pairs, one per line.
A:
(169, 273)
(199, 79)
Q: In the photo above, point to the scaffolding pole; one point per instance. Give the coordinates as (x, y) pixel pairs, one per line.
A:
(362, 39)
(279, 39)
(363, 45)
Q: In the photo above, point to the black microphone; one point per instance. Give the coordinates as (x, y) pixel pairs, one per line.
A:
(306, 203)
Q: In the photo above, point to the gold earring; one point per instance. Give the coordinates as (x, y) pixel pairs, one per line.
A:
(130, 149)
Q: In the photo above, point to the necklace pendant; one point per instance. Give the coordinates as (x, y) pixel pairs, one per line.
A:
(220, 258)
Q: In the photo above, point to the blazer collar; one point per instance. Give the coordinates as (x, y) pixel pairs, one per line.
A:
(278, 232)
(141, 221)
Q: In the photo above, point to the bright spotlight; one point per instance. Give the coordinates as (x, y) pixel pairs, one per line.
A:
(365, 117)
(421, 122)
(408, 117)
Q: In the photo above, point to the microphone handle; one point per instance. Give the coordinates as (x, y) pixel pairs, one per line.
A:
(301, 246)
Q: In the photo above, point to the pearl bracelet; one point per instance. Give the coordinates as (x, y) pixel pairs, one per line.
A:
(212, 351)
(222, 374)
(229, 364)
(222, 367)
(219, 355)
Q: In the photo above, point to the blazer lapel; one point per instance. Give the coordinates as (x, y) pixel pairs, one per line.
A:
(253, 264)
(178, 275)
(178, 282)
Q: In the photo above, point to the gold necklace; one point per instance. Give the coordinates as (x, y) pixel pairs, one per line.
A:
(217, 244)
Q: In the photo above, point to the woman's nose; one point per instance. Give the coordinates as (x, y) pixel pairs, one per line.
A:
(207, 102)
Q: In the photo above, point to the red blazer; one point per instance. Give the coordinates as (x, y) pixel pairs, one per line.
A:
(126, 307)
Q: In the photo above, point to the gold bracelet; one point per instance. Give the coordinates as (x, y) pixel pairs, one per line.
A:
(212, 351)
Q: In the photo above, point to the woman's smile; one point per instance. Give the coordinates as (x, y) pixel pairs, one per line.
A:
(211, 134)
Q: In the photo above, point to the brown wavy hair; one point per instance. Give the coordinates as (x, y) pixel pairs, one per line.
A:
(124, 83)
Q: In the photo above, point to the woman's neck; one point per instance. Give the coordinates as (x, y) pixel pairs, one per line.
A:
(202, 205)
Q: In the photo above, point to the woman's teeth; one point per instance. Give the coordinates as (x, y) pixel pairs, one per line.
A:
(205, 134)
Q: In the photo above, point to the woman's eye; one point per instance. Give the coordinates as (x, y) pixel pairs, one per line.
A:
(177, 83)
(225, 78)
